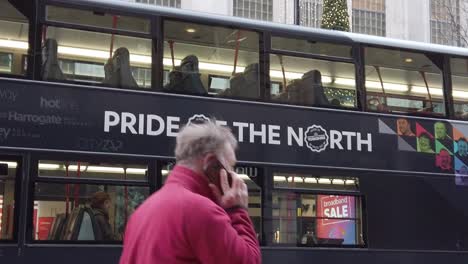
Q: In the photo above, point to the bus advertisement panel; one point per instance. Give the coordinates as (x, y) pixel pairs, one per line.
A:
(146, 124)
(336, 218)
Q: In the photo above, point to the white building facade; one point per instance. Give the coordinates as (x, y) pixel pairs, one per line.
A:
(436, 21)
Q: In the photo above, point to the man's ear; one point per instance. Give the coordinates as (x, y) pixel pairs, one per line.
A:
(207, 160)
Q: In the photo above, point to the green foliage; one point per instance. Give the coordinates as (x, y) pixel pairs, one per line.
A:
(335, 15)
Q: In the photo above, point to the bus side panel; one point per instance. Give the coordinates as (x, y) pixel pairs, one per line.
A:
(330, 256)
(73, 254)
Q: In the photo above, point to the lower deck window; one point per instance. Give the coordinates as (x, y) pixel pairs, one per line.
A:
(86, 200)
(309, 220)
(316, 211)
(7, 198)
(84, 212)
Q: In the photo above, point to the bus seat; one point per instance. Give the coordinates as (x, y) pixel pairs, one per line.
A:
(86, 230)
(56, 231)
(119, 71)
(235, 80)
(70, 224)
(186, 78)
(246, 84)
(312, 91)
(293, 91)
(107, 70)
(50, 67)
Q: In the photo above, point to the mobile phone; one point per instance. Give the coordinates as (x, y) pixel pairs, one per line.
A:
(213, 174)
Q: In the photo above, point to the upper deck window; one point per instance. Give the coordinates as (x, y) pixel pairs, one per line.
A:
(404, 82)
(459, 69)
(14, 28)
(97, 19)
(110, 59)
(300, 73)
(193, 52)
(310, 47)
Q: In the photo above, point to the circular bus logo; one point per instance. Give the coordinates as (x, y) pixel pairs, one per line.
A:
(316, 138)
(198, 119)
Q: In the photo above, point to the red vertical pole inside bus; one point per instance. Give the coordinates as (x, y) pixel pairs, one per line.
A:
(8, 215)
(77, 187)
(423, 74)
(280, 57)
(171, 47)
(67, 192)
(236, 51)
(114, 25)
(44, 33)
(125, 197)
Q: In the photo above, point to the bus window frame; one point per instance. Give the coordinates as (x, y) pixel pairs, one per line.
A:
(449, 92)
(28, 74)
(43, 22)
(72, 5)
(352, 59)
(443, 72)
(150, 183)
(18, 196)
(270, 189)
(261, 49)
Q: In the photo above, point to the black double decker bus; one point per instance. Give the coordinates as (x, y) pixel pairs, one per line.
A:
(353, 147)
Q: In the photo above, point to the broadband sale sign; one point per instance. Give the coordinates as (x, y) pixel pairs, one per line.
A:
(335, 218)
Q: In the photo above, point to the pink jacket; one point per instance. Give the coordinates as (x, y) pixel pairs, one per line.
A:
(181, 223)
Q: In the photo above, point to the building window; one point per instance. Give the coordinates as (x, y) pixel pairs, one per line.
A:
(305, 216)
(82, 201)
(168, 3)
(445, 22)
(310, 13)
(369, 17)
(254, 9)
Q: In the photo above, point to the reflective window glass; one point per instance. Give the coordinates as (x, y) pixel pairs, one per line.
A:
(76, 55)
(304, 215)
(8, 170)
(403, 82)
(14, 30)
(311, 47)
(193, 52)
(74, 169)
(97, 19)
(286, 180)
(314, 219)
(84, 212)
(459, 69)
(313, 82)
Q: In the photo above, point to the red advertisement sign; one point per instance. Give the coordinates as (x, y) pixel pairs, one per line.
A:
(1, 214)
(45, 223)
(335, 217)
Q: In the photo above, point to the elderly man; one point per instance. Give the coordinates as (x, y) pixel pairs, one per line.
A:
(197, 217)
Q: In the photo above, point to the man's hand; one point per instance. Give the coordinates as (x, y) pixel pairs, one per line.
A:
(235, 195)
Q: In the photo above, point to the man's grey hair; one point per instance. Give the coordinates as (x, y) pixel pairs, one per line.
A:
(197, 140)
